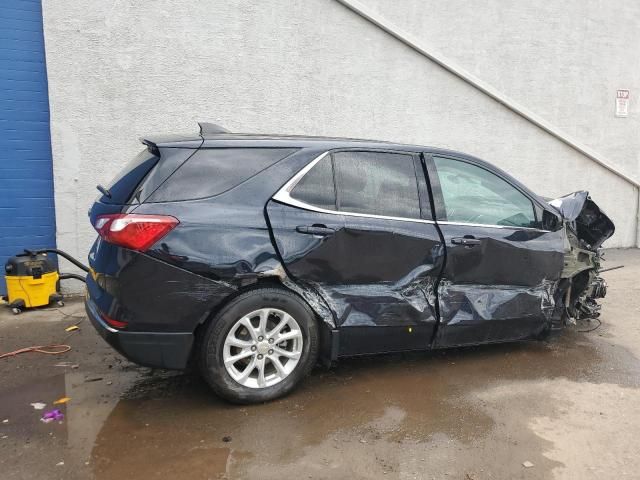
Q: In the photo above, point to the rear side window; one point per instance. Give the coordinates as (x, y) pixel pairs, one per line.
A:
(377, 183)
(374, 183)
(170, 160)
(474, 195)
(213, 171)
(129, 177)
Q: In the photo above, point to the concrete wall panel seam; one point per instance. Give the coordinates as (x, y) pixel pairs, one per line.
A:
(482, 86)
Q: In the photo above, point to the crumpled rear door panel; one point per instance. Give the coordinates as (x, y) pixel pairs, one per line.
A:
(376, 275)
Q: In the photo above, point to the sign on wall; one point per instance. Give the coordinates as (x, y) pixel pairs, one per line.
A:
(622, 103)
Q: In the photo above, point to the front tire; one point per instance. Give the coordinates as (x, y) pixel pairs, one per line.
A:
(259, 346)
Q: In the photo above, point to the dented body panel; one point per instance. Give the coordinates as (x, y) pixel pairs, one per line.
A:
(370, 272)
(501, 289)
(138, 289)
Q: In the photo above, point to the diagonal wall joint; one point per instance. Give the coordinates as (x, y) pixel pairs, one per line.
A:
(418, 46)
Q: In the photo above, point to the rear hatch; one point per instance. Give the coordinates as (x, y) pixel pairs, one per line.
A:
(124, 236)
(113, 213)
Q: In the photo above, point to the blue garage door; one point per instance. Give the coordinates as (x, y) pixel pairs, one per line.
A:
(27, 216)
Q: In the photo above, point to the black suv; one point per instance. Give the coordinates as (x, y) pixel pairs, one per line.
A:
(256, 255)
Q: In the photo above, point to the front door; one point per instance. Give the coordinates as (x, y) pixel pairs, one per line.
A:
(356, 227)
(501, 268)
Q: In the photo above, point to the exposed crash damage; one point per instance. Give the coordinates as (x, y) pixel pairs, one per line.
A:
(561, 269)
(443, 283)
(473, 313)
(586, 228)
(558, 278)
(317, 303)
(476, 314)
(506, 284)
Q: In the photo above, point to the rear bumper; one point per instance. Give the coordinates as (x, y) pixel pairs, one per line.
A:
(149, 349)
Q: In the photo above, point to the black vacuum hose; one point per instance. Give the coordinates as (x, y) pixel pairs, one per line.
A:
(62, 254)
(64, 276)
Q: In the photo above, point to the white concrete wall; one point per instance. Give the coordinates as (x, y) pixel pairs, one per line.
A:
(119, 69)
(563, 60)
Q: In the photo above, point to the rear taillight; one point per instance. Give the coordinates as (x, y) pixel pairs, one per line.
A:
(112, 322)
(134, 231)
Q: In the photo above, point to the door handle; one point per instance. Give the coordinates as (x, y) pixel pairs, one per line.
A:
(468, 241)
(321, 230)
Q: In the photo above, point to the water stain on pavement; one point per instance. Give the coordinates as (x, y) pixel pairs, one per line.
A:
(170, 425)
(175, 424)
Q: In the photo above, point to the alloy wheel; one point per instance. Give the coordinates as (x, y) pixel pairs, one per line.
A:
(262, 348)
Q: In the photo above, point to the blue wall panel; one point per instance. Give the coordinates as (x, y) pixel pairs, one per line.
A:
(27, 214)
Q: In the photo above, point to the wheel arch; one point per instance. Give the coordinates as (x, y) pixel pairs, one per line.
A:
(326, 326)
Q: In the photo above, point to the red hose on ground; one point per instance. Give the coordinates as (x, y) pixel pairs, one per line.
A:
(48, 349)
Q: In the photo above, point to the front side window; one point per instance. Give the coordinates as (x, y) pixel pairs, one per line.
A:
(474, 195)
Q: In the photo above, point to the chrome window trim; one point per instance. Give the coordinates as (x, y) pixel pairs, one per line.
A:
(284, 196)
(512, 227)
(289, 186)
(305, 206)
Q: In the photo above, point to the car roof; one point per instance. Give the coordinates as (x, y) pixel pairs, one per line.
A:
(213, 136)
(227, 139)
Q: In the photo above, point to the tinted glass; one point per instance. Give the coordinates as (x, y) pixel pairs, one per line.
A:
(124, 183)
(316, 187)
(377, 183)
(475, 195)
(170, 160)
(213, 171)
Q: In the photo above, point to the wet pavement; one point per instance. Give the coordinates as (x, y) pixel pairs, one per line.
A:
(569, 406)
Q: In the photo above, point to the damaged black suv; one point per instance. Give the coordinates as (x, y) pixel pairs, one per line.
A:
(254, 256)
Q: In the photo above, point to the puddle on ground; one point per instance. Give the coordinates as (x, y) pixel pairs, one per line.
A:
(169, 424)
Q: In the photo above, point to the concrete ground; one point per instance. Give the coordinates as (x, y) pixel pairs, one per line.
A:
(569, 406)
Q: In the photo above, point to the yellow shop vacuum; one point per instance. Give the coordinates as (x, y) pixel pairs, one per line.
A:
(33, 279)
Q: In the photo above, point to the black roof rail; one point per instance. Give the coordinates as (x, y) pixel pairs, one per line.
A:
(211, 129)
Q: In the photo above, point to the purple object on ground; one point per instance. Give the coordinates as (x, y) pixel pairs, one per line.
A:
(53, 415)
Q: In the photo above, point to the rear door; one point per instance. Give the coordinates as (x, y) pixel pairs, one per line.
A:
(501, 268)
(356, 227)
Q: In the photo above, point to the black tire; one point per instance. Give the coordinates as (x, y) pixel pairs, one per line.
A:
(210, 345)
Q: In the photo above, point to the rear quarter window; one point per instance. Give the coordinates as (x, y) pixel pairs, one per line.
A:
(129, 177)
(317, 186)
(213, 171)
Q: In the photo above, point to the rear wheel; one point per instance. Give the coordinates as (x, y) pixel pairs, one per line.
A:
(259, 346)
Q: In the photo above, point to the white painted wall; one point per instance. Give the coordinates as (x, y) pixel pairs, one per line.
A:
(563, 60)
(119, 69)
